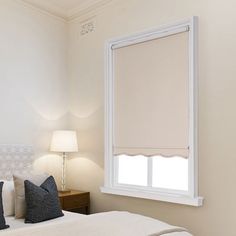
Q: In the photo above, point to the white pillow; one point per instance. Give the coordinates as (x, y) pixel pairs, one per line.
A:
(35, 177)
(8, 197)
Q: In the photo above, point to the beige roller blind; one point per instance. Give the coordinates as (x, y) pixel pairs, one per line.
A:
(151, 105)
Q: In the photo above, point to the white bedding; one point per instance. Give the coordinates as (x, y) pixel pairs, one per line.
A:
(19, 223)
(101, 224)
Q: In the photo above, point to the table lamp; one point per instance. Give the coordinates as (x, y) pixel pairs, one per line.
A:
(64, 141)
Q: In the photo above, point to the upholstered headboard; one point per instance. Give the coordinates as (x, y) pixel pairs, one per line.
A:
(15, 159)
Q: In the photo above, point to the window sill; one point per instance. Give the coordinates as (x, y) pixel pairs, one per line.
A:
(173, 198)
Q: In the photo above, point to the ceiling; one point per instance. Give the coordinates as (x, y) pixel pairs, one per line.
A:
(66, 9)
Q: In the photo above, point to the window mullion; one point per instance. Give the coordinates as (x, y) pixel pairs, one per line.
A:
(115, 170)
(149, 172)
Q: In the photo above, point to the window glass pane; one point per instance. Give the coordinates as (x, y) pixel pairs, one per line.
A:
(170, 173)
(132, 170)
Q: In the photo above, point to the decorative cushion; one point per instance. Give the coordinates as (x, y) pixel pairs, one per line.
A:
(8, 198)
(42, 202)
(2, 219)
(36, 178)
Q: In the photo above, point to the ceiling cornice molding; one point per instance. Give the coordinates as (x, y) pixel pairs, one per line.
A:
(55, 11)
(85, 9)
(67, 15)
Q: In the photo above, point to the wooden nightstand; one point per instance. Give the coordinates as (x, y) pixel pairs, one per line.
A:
(75, 201)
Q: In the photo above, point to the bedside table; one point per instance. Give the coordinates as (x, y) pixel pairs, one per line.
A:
(75, 201)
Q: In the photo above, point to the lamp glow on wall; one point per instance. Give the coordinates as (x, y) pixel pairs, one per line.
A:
(64, 141)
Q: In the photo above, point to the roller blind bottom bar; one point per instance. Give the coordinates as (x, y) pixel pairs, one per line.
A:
(154, 148)
(165, 152)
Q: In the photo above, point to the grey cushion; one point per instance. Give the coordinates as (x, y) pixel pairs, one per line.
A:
(42, 202)
(2, 219)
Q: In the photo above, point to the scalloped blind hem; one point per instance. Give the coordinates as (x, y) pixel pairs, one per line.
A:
(165, 152)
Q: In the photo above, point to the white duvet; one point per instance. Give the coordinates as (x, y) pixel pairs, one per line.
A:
(101, 224)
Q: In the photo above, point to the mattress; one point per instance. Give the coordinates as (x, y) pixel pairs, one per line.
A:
(100, 224)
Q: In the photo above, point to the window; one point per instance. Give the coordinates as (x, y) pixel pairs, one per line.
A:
(132, 170)
(165, 173)
(170, 173)
(151, 134)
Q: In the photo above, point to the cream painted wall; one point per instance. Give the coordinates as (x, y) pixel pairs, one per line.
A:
(217, 72)
(33, 79)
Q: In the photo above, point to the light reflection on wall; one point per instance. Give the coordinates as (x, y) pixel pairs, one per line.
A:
(51, 164)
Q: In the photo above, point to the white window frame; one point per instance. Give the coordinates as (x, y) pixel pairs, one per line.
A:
(111, 185)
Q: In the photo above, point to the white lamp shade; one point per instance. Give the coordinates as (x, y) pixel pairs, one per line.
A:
(64, 141)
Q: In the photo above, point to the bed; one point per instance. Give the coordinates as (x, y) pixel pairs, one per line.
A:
(114, 223)
(101, 224)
